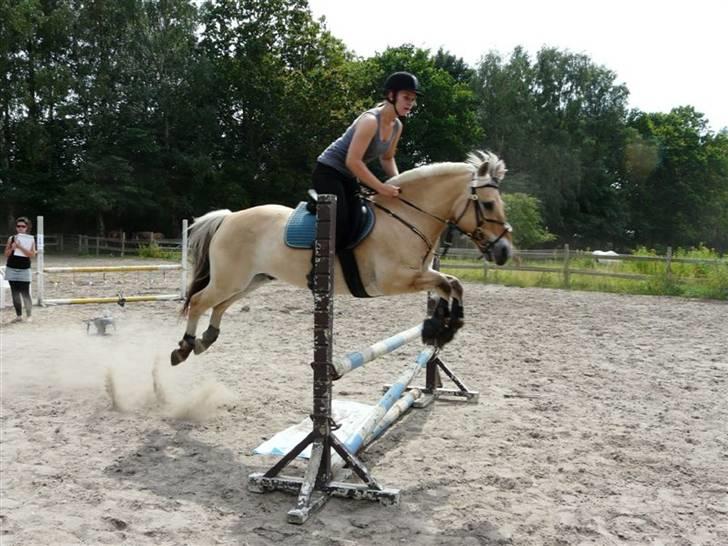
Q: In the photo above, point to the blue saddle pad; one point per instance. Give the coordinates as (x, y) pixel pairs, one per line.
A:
(300, 230)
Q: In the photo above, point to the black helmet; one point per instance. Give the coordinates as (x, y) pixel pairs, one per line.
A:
(402, 81)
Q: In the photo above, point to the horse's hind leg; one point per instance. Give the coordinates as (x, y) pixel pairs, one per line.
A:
(213, 329)
(200, 302)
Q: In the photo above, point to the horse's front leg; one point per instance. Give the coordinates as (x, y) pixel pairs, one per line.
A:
(457, 309)
(447, 317)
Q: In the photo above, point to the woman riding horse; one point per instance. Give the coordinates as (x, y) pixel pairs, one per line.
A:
(373, 135)
(235, 253)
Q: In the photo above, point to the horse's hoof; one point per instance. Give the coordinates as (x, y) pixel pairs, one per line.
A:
(177, 357)
(180, 355)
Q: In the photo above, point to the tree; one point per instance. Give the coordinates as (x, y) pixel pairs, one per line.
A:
(678, 179)
(559, 124)
(524, 214)
(34, 156)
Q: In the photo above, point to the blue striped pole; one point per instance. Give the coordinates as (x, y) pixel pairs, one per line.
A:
(356, 359)
(367, 428)
(399, 408)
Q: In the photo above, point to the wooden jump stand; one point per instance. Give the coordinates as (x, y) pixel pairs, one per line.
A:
(318, 484)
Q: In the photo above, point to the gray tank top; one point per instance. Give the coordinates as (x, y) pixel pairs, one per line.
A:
(335, 155)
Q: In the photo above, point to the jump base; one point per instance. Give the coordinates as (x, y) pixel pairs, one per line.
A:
(259, 483)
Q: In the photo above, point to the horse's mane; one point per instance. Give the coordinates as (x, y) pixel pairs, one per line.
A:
(475, 160)
(496, 167)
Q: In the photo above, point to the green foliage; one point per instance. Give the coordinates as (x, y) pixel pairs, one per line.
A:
(153, 250)
(524, 214)
(558, 120)
(132, 115)
(678, 173)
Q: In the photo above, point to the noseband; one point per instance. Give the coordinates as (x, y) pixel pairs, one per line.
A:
(478, 235)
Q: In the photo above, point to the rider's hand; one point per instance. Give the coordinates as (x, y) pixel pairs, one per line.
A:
(388, 190)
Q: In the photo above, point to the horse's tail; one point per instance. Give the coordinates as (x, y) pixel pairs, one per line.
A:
(201, 232)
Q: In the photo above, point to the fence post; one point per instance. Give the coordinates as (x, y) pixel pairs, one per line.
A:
(668, 263)
(567, 279)
(123, 242)
(40, 261)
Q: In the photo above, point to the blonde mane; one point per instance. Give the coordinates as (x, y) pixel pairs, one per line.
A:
(496, 168)
(427, 171)
(491, 165)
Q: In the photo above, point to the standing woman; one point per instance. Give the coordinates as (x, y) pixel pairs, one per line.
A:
(19, 249)
(373, 135)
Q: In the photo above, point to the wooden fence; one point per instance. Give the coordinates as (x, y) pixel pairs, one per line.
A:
(89, 244)
(561, 262)
(54, 242)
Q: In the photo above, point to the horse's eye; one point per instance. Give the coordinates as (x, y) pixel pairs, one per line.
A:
(488, 205)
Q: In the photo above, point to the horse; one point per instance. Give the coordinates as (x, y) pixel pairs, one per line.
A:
(235, 253)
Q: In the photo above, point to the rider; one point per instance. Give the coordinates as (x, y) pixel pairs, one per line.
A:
(374, 134)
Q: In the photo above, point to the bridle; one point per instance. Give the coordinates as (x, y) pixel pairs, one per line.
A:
(478, 235)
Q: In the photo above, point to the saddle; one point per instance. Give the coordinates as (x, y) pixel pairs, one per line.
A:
(300, 233)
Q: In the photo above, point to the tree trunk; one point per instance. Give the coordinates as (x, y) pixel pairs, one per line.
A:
(100, 226)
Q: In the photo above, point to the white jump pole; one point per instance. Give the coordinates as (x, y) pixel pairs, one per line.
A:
(41, 270)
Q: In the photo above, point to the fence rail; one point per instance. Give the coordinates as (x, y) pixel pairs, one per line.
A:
(91, 244)
(563, 258)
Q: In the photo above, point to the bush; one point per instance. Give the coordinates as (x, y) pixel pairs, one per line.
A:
(153, 250)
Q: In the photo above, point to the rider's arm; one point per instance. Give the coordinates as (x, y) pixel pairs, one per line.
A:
(365, 130)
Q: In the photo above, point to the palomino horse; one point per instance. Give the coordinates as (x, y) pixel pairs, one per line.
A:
(235, 253)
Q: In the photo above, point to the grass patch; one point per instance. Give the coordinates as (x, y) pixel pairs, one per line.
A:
(706, 279)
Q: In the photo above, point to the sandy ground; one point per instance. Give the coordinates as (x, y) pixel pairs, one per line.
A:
(603, 419)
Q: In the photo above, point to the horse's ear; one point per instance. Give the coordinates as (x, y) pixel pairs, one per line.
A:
(483, 169)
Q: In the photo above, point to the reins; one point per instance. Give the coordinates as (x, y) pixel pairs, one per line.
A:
(477, 235)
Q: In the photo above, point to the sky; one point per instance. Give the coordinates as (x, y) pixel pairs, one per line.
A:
(667, 53)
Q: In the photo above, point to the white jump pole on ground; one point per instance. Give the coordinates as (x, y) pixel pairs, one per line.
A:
(41, 270)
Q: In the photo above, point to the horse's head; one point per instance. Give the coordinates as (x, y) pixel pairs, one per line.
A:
(482, 216)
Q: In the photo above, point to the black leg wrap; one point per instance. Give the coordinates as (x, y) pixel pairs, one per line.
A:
(457, 315)
(433, 327)
(210, 335)
(185, 348)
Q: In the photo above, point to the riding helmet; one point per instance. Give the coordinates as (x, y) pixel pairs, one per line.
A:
(402, 81)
